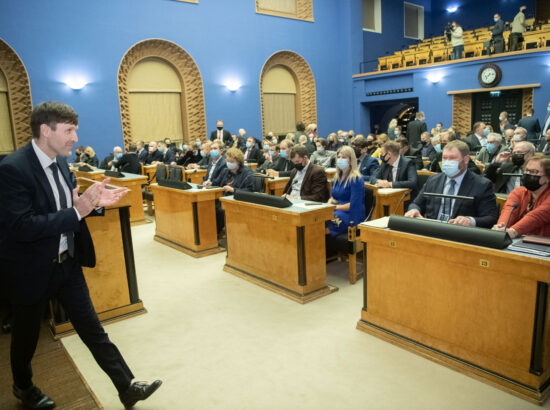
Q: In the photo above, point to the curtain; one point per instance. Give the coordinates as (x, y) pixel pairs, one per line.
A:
(283, 6)
(279, 112)
(155, 116)
(6, 134)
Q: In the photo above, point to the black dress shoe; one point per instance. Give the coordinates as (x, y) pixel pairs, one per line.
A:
(33, 398)
(138, 391)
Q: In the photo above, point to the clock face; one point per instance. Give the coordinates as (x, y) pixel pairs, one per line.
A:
(488, 75)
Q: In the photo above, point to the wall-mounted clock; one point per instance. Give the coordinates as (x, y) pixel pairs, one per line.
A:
(489, 75)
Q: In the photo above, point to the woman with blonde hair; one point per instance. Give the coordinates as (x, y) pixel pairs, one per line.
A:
(381, 139)
(391, 127)
(89, 158)
(348, 193)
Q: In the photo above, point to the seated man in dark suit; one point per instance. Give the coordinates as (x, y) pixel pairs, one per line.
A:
(396, 171)
(154, 155)
(129, 162)
(217, 166)
(506, 163)
(478, 138)
(191, 156)
(205, 157)
(307, 181)
(284, 165)
(367, 165)
(544, 144)
(414, 154)
(427, 150)
(142, 152)
(457, 179)
(251, 152)
(168, 154)
(445, 138)
(107, 162)
(531, 125)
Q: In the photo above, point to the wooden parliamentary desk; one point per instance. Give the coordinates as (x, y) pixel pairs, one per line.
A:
(389, 200)
(283, 250)
(112, 282)
(186, 219)
(477, 310)
(134, 183)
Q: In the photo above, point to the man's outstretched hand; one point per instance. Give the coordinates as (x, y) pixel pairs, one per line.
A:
(96, 195)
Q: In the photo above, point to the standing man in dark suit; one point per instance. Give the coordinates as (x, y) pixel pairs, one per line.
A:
(221, 135)
(496, 34)
(531, 125)
(546, 125)
(307, 181)
(396, 171)
(44, 242)
(129, 162)
(216, 166)
(456, 179)
(415, 129)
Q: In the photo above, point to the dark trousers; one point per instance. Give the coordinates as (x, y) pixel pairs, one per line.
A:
(515, 39)
(68, 285)
(498, 45)
(457, 52)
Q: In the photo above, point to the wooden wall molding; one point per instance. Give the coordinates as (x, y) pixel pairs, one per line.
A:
(19, 94)
(306, 94)
(192, 104)
(527, 101)
(462, 112)
(304, 11)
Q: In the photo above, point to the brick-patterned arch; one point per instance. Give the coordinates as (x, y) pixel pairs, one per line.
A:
(19, 93)
(306, 95)
(192, 104)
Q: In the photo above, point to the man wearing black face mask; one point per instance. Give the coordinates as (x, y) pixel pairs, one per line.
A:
(528, 207)
(506, 163)
(371, 146)
(307, 181)
(221, 135)
(367, 165)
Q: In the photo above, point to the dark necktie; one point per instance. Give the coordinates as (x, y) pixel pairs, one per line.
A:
(389, 173)
(63, 205)
(449, 201)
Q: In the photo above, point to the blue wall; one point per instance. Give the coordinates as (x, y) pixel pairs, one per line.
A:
(226, 39)
(433, 98)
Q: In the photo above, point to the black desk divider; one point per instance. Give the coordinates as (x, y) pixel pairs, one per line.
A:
(114, 174)
(457, 233)
(85, 168)
(262, 199)
(174, 184)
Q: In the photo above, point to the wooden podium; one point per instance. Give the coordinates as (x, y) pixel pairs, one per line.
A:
(133, 182)
(282, 249)
(186, 219)
(112, 283)
(195, 176)
(480, 311)
(389, 200)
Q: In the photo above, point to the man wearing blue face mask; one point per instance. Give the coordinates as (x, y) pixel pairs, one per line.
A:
(217, 166)
(496, 34)
(129, 162)
(284, 165)
(478, 138)
(109, 162)
(546, 126)
(155, 155)
(251, 153)
(489, 152)
(456, 179)
(322, 156)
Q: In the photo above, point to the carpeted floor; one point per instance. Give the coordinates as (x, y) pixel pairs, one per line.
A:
(54, 373)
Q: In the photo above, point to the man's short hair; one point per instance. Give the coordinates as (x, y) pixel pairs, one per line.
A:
(361, 143)
(132, 148)
(544, 162)
(288, 143)
(51, 113)
(461, 146)
(477, 125)
(299, 150)
(323, 142)
(300, 126)
(527, 146)
(236, 154)
(497, 137)
(522, 131)
(391, 146)
(419, 115)
(402, 141)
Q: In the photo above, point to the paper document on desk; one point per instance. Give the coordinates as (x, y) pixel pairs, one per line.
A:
(378, 223)
(386, 191)
(309, 205)
(534, 249)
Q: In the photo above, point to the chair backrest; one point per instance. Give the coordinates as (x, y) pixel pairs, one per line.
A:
(421, 180)
(370, 203)
(259, 183)
(176, 174)
(161, 172)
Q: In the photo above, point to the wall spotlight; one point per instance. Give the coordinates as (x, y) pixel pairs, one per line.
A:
(452, 9)
(75, 82)
(434, 78)
(233, 85)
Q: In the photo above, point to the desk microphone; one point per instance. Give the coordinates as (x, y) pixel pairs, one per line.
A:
(514, 206)
(399, 202)
(509, 174)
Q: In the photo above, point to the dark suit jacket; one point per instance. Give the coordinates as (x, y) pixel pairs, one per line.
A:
(129, 163)
(284, 167)
(473, 143)
(498, 29)
(368, 167)
(406, 175)
(31, 225)
(494, 172)
(105, 162)
(314, 185)
(169, 156)
(227, 139)
(142, 156)
(483, 208)
(531, 125)
(189, 158)
(414, 130)
(542, 144)
(243, 179)
(219, 171)
(154, 156)
(416, 156)
(254, 156)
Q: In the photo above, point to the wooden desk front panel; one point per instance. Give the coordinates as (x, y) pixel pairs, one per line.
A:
(95, 175)
(135, 196)
(175, 221)
(276, 186)
(107, 282)
(195, 177)
(437, 293)
(263, 241)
